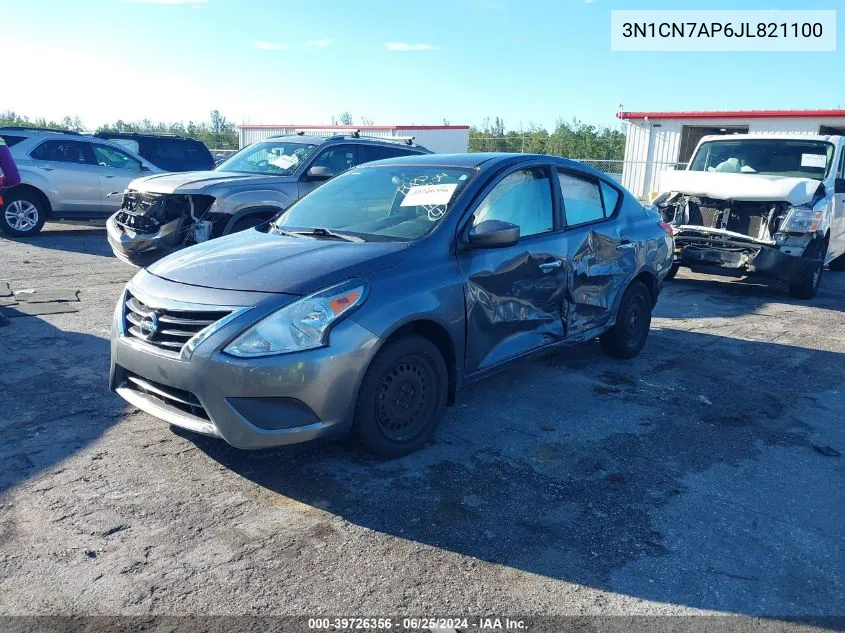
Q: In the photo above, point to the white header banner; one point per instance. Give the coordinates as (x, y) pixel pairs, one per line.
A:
(710, 30)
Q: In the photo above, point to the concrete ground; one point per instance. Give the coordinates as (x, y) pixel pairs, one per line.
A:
(704, 476)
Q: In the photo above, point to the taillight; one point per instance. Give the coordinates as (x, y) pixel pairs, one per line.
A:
(666, 227)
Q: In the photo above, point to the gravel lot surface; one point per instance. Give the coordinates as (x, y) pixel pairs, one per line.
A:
(705, 475)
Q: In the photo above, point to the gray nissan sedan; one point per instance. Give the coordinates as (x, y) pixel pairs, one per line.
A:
(367, 304)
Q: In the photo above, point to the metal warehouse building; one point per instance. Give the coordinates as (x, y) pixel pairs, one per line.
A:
(657, 141)
(443, 139)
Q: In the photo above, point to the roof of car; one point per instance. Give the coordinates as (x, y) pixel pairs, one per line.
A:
(131, 135)
(830, 138)
(346, 138)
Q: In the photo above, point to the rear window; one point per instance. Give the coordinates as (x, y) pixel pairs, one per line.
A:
(177, 154)
(12, 140)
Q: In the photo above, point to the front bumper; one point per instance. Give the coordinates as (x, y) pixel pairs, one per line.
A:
(142, 249)
(250, 403)
(736, 257)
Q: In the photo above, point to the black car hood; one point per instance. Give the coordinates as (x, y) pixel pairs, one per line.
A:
(265, 262)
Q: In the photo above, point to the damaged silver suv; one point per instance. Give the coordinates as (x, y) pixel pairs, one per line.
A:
(164, 213)
(760, 204)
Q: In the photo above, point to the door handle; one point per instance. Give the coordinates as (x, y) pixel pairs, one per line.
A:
(548, 267)
(109, 176)
(45, 168)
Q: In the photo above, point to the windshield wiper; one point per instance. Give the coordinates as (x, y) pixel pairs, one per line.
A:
(321, 232)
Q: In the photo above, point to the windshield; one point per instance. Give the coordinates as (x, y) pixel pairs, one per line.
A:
(380, 203)
(773, 157)
(275, 158)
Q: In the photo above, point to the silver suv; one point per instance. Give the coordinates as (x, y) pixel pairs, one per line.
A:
(64, 175)
(164, 213)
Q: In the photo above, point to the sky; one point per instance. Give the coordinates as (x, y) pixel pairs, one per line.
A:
(389, 61)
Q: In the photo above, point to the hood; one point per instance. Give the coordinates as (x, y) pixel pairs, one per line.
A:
(741, 187)
(197, 182)
(265, 262)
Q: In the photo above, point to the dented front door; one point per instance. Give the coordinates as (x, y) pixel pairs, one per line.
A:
(514, 294)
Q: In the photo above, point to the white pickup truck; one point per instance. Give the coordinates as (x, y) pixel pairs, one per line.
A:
(760, 204)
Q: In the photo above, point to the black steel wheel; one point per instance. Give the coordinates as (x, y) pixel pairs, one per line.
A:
(402, 397)
(628, 335)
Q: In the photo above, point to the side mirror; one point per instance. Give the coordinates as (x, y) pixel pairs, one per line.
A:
(144, 168)
(839, 185)
(493, 234)
(319, 173)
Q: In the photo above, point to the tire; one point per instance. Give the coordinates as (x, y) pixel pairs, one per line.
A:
(672, 272)
(23, 213)
(809, 284)
(837, 265)
(633, 320)
(402, 397)
(247, 222)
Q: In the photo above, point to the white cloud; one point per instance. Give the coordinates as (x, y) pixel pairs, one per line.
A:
(264, 45)
(319, 43)
(191, 2)
(405, 46)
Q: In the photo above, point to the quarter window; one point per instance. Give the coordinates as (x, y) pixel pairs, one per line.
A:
(523, 198)
(61, 152)
(610, 197)
(582, 200)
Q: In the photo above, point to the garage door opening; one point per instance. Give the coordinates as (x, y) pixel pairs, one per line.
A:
(692, 134)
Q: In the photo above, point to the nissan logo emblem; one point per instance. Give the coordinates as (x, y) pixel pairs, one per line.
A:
(149, 326)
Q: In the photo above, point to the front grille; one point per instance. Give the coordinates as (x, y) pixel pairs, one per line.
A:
(165, 329)
(177, 398)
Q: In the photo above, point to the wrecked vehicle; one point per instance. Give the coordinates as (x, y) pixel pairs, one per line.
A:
(164, 213)
(368, 304)
(763, 205)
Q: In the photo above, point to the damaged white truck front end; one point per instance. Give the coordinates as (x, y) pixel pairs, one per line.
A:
(751, 205)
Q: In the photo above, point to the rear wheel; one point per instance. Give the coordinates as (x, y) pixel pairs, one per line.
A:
(628, 335)
(23, 213)
(402, 397)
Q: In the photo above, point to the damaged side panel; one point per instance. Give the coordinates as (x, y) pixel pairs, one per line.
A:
(513, 306)
(599, 270)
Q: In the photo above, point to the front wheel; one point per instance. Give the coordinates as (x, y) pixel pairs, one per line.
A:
(23, 214)
(402, 397)
(808, 286)
(628, 335)
(672, 272)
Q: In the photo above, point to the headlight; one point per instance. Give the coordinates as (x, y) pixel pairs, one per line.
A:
(801, 220)
(303, 324)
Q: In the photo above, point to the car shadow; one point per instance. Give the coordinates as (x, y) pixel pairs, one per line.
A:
(75, 239)
(685, 476)
(691, 295)
(47, 416)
